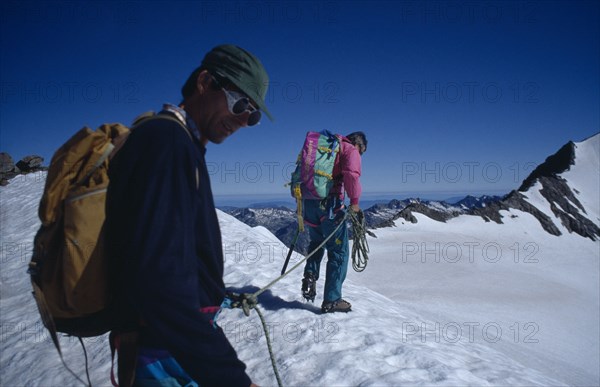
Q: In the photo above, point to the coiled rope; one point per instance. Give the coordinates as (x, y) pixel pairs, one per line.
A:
(360, 246)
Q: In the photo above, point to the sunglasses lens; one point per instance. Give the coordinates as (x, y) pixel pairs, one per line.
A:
(254, 118)
(240, 106)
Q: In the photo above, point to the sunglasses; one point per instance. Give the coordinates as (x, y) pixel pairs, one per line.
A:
(238, 103)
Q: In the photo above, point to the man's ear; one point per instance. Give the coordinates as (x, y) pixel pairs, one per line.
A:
(203, 81)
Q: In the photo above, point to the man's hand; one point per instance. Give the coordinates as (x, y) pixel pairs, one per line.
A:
(355, 208)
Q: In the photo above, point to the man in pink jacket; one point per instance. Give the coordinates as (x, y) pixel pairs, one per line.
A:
(323, 216)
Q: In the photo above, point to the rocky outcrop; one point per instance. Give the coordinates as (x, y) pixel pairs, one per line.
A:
(422, 208)
(380, 215)
(552, 167)
(8, 169)
(30, 164)
(384, 215)
(517, 201)
(6, 163)
(565, 206)
(477, 202)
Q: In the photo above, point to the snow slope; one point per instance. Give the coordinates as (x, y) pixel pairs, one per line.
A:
(539, 292)
(389, 339)
(513, 287)
(584, 176)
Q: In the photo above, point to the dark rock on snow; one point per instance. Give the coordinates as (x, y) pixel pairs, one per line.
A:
(9, 170)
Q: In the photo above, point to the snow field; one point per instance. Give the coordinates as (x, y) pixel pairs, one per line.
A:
(466, 302)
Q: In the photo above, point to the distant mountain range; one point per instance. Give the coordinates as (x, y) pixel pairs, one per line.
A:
(561, 193)
(282, 221)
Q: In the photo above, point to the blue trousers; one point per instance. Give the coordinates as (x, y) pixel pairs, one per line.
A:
(322, 217)
(157, 368)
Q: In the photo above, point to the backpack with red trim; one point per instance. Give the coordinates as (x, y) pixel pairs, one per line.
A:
(313, 177)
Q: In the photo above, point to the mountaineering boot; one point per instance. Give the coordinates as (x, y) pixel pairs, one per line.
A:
(340, 305)
(309, 287)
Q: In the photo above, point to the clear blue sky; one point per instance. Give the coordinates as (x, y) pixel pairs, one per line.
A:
(455, 96)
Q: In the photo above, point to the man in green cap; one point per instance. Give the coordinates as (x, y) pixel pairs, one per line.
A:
(161, 221)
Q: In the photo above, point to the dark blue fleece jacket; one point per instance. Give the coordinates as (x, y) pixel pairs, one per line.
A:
(161, 222)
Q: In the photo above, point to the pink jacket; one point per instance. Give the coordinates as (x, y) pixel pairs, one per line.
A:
(346, 172)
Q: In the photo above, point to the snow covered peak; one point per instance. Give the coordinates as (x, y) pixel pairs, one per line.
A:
(562, 193)
(554, 165)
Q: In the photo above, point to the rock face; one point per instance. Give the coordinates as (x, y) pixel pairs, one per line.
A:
(476, 202)
(6, 163)
(8, 169)
(379, 216)
(425, 208)
(517, 201)
(30, 163)
(552, 167)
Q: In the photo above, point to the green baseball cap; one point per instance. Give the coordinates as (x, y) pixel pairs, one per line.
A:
(242, 69)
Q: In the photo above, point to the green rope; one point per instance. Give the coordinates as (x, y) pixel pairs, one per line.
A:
(360, 246)
(246, 302)
(271, 355)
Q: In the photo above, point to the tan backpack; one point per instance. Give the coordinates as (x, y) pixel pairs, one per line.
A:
(70, 273)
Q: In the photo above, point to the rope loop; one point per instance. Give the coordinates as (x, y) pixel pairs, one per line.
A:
(244, 301)
(360, 247)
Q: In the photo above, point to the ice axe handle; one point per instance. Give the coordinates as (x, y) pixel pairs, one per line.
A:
(287, 259)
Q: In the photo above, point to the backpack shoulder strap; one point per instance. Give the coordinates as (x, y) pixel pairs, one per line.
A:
(110, 147)
(150, 115)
